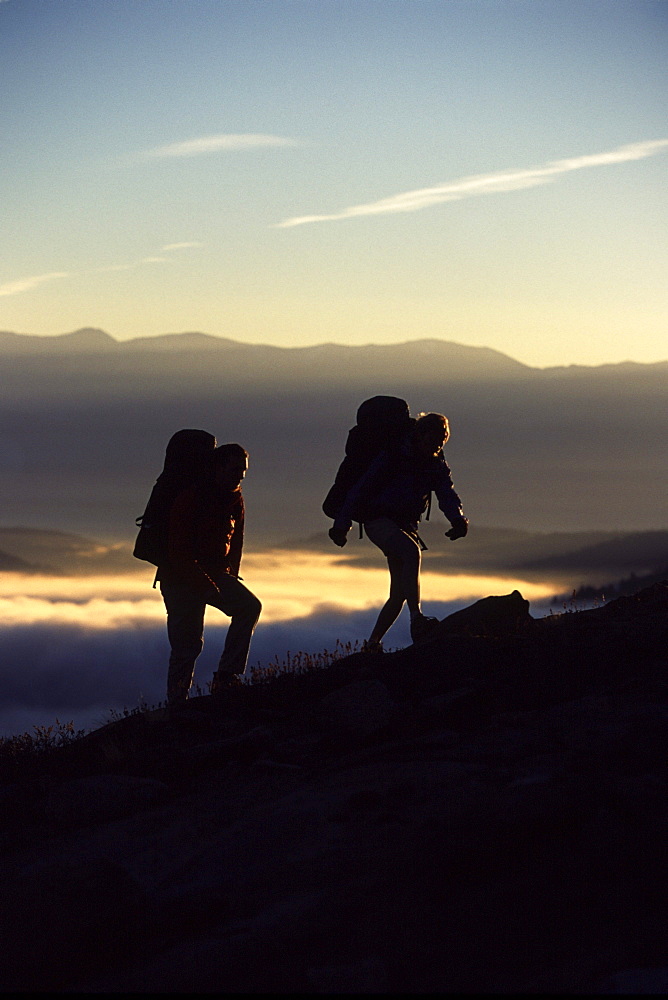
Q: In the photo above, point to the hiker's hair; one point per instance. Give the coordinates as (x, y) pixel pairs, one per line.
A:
(225, 452)
(433, 423)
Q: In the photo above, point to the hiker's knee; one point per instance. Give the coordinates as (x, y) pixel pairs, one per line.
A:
(248, 608)
(395, 601)
(254, 607)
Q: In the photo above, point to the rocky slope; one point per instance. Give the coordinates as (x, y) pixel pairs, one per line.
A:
(483, 813)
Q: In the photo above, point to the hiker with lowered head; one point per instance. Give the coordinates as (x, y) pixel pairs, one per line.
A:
(204, 547)
(390, 499)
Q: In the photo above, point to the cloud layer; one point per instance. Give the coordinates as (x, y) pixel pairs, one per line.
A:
(479, 184)
(82, 675)
(89, 645)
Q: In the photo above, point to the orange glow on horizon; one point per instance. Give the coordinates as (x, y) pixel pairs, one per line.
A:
(290, 584)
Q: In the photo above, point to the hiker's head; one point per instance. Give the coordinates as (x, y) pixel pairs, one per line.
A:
(431, 432)
(230, 464)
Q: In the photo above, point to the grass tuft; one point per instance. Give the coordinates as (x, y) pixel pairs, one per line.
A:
(300, 663)
(40, 740)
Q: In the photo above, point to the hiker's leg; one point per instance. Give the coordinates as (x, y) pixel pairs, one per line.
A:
(405, 553)
(185, 630)
(403, 558)
(392, 607)
(244, 609)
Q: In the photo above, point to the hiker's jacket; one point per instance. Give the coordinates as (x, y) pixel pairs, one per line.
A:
(398, 485)
(206, 535)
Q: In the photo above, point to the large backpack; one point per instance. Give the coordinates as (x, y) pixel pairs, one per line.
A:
(382, 421)
(186, 457)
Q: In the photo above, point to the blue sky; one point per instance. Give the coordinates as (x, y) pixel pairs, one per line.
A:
(297, 171)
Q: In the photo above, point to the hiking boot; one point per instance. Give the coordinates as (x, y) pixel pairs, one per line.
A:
(422, 627)
(372, 646)
(222, 681)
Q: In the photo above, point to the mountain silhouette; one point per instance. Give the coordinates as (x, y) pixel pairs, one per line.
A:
(86, 341)
(461, 361)
(83, 415)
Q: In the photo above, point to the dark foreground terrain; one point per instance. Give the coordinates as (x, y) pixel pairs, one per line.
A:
(484, 813)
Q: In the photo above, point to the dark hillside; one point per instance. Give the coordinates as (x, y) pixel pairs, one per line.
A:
(484, 813)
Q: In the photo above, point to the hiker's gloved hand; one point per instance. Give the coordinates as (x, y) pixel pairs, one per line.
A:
(458, 530)
(339, 536)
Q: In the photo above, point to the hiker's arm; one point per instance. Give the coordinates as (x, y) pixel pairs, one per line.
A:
(449, 502)
(181, 543)
(237, 540)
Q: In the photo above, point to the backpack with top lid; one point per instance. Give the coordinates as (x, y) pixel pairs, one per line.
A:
(186, 457)
(382, 421)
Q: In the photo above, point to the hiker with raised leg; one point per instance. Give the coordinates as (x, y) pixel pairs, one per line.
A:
(199, 566)
(206, 531)
(390, 498)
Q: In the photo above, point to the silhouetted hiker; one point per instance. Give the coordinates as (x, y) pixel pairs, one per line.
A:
(389, 500)
(187, 456)
(205, 541)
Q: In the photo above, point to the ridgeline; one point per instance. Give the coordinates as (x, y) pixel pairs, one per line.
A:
(485, 812)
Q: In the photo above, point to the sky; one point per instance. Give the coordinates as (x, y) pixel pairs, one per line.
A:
(290, 172)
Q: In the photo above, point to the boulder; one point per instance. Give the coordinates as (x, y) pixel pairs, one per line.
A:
(490, 616)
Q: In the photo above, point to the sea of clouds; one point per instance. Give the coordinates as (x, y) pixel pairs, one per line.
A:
(86, 675)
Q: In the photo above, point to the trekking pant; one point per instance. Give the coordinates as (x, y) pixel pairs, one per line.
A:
(185, 629)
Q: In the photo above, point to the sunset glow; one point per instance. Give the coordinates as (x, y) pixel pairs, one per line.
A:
(482, 171)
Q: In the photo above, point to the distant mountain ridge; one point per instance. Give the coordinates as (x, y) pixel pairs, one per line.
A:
(84, 420)
(464, 359)
(86, 340)
(89, 340)
(570, 559)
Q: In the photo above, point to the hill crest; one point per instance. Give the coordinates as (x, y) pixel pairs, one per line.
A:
(481, 814)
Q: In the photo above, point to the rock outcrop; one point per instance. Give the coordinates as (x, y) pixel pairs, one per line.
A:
(484, 813)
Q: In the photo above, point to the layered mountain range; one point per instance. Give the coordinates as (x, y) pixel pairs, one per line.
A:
(84, 420)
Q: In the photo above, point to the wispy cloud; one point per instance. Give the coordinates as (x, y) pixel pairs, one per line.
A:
(479, 184)
(26, 284)
(225, 142)
(110, 267)
(156, 258)
(180, 246)
(20, 285)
